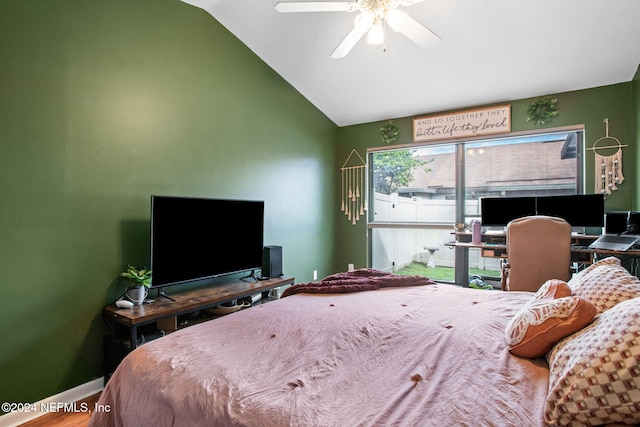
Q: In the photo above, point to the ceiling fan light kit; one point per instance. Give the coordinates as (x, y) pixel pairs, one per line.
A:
(375, 35)
(373, 14)
(365, 20)
(395, 18)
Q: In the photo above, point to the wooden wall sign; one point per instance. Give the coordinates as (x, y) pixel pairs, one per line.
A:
(484, 121)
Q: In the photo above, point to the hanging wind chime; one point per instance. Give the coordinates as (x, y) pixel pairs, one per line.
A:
(352, 188)
(608, 173)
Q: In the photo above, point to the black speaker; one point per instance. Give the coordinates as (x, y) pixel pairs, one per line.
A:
(272, 261)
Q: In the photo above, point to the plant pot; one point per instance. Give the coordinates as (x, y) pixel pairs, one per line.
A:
(137, 294)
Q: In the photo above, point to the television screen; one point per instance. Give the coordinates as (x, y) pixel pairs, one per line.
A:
(199, 238)
(499, 211)
(579, 210)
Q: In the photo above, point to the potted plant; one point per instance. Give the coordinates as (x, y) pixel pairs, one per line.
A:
(138, 283)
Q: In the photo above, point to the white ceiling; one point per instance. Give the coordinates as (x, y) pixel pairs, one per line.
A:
(491, 51)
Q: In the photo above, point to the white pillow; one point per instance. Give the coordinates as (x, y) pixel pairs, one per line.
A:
(605, 284)
(595, 373)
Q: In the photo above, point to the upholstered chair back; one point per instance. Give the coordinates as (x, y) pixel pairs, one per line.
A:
(538, 249)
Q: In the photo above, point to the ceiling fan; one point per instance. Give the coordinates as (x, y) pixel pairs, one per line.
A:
(371, 19)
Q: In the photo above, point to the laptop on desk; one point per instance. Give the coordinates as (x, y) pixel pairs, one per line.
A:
(615, 237)
(614, 242)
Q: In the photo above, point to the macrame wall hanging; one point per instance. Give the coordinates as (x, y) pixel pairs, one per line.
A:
(608, 167)
(353, 200)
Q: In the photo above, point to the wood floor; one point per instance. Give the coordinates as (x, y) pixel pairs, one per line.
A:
(65, 419)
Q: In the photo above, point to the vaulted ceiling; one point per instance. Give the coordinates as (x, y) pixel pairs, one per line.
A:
(490, 51)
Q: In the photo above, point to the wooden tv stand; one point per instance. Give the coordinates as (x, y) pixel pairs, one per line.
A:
(142, 323)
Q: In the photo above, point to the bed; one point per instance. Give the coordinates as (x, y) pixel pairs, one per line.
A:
(413, 354)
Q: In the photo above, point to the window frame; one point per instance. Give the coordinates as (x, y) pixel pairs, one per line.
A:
(461, 256)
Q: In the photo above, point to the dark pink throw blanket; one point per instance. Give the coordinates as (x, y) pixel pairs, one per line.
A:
(364, 279)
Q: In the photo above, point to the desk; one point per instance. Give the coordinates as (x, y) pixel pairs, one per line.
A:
(494, 245)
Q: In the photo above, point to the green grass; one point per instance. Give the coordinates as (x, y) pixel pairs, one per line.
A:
(441, 273)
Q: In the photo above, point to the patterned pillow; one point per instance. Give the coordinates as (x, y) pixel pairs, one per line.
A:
(595, 373)
(605, 284)
(547, 318)
(551, 289)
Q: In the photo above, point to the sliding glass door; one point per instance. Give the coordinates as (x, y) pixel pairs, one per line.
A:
(417, 193)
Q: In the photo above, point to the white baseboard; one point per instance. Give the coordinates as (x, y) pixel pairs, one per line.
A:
(38, 409)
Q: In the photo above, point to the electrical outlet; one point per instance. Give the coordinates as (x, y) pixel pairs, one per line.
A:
(315, 274)
(350, 267)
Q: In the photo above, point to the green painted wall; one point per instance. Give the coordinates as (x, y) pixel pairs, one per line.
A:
(103, 103)
(585, 107)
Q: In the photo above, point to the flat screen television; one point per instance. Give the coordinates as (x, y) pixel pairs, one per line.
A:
(198, 238)
(579, 210)
(499, 211)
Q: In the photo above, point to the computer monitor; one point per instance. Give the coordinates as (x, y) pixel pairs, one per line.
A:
(499, 211)
(579, 210)
(616, 222)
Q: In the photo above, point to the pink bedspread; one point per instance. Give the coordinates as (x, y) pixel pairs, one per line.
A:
(416, 356)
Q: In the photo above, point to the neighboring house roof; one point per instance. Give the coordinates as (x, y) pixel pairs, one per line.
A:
(506, 169)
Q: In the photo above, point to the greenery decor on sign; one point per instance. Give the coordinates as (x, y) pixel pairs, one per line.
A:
(543, 110)
(389, 132)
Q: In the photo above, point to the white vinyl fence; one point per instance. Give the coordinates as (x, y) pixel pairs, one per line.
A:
(395, 248)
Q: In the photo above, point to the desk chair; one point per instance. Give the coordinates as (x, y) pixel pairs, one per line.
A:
(538, 249)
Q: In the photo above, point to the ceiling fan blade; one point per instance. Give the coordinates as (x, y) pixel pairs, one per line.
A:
(348, 42)
(417, 33)
(316, 6)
